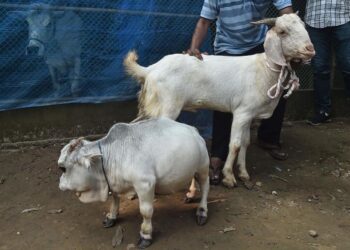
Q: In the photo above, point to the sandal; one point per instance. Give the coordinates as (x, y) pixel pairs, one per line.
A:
(215, 175)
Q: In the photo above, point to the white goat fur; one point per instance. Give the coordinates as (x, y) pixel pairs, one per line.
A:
(229, 84)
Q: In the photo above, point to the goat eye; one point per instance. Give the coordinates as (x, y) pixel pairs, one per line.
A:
(63, 169)
(282, 32)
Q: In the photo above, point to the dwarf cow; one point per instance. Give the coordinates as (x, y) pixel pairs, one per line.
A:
(153, 156)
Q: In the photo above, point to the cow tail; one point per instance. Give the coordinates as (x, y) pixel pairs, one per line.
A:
(133, 68)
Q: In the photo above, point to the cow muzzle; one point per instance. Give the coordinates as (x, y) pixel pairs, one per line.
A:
(35, 48)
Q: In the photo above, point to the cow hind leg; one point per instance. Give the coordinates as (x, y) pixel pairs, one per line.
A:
(202, 210)
(145, 193)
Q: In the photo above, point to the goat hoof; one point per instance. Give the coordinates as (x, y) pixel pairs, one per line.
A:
(229, 183)
(244, 177)
(109, 222)
(144, 243)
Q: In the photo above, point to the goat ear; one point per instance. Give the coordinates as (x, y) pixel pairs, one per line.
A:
(273, 48)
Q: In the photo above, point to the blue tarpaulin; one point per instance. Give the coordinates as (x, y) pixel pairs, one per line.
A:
(83, 44)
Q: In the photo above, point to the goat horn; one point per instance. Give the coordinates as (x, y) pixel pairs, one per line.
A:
(268, 21)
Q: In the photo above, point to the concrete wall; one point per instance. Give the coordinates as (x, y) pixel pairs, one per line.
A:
(87, 119)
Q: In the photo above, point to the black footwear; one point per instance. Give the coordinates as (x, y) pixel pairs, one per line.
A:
(319, 118)
(275, 150)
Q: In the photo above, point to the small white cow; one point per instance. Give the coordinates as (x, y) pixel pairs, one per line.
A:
(248, 87)
(152, 156)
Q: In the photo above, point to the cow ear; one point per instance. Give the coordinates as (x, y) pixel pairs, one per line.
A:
(89, 160)
(46, 20)
(75, 143)
(273, 48)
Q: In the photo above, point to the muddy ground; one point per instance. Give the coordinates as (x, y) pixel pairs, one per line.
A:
(311, 192)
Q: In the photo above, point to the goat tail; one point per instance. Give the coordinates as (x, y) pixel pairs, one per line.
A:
(133, 68)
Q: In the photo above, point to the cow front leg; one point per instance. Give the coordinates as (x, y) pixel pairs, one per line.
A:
(54, 79)
(145, 193)
(111, 216)
(75, 76)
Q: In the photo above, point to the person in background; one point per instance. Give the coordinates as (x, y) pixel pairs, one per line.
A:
(236, 36)
(328, 24)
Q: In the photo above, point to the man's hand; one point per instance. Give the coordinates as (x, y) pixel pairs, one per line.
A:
(198, 37)
(195, 52)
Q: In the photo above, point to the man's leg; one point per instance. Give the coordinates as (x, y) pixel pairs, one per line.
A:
(219, 148)
(341, 36)
(321, 67)
(269, 132)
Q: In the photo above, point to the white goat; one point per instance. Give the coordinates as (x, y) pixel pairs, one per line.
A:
(249, 87)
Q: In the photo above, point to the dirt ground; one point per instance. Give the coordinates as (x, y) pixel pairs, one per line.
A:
(309, 191)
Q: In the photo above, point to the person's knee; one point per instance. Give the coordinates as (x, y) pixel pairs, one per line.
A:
(344, 63)
(320, 66)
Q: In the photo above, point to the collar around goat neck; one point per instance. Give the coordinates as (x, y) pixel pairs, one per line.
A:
(292, 84)
(103, 169)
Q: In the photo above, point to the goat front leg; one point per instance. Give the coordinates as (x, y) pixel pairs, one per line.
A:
(241, 161)
(239, 124)
(111, 217)
(145, 192)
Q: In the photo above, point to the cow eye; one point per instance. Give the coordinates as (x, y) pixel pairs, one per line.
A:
(63, 169)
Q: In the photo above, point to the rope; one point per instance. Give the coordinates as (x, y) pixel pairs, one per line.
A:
(292, 84)
(103, 169)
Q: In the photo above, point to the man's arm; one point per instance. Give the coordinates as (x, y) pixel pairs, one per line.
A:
(198, 37)
(287, 10)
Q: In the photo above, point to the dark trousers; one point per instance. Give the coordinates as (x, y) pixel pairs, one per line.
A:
(324, 40)
(269, 130)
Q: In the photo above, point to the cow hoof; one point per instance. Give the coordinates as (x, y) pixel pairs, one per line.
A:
(201, 217)
(109, 222)
(188, 200)
(144, 243)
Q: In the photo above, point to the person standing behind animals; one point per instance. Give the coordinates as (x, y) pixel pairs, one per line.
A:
(236, 36)
(328, 24)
